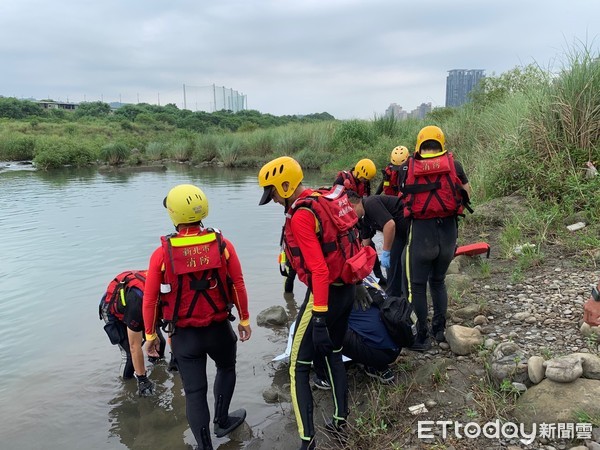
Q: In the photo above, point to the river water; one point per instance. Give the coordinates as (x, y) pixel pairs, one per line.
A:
(66, 235)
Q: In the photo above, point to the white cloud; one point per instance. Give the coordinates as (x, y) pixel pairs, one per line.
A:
(349, 58)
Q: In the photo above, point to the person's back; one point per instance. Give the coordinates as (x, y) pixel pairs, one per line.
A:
(432, 199)
(358, 179)
(193, 272)
(121, 310)
(391, 174)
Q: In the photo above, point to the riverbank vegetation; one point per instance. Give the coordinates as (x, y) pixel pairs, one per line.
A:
(527, 130)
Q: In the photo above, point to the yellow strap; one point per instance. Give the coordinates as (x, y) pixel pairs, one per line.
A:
(192, 240)
(122, 294)
(386, 183)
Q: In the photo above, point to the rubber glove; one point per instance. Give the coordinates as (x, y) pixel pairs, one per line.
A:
(362, 299)
(384, 258)
(145, 386)
(321, 340)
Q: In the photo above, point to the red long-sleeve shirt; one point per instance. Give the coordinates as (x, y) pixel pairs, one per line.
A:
(303, 226)
(155, 278)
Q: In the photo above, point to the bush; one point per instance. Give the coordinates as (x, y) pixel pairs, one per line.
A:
(115, 153)
(155, 151)
(180, 151)
(53, 152)
(16, 147)
(353, 134)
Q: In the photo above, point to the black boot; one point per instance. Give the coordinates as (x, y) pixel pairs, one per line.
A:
(438, 328)
(234, 420)
(308, 445)
(422, 342)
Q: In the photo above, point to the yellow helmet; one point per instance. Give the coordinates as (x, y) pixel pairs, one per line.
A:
(186, 203)
(399, 155)
(365, 168)
(431, 133)
(276, 172)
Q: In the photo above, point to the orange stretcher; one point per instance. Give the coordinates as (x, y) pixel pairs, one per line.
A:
(477, 248)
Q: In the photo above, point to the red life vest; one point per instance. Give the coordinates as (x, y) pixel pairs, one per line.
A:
(391, 180)
(116, 292)
(337, 232)
(362, 188)
(196, 288)
(432, 188)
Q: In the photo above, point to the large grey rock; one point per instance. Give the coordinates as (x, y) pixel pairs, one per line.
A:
(553, 402)
(272, 316)
(457, 284)
(565, 369)
(497, 211)
(589, 331)
(508, 362)
(453, 268)
(590, 364)
(463, 340)
(536, 369)
(466, 312)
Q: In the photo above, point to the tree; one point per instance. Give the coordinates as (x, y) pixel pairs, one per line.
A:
(93, 109)
(520, 79)
(13, 108)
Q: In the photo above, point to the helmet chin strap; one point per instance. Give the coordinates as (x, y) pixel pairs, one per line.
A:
(287, 205)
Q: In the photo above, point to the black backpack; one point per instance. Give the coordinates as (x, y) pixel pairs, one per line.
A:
(396, 313)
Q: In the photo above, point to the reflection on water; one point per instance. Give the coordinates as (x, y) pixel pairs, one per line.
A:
(65, 235)
(153, 422)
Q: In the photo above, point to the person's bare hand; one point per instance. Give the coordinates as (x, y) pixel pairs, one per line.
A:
(152, 348)
(244, 331)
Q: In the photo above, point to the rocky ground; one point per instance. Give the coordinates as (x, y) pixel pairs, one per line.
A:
(519, 314)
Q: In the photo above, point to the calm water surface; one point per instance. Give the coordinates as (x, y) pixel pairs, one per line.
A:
(65, 235)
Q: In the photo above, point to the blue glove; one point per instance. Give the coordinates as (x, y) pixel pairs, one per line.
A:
(384, 259)
(145, 386)
(321, 340)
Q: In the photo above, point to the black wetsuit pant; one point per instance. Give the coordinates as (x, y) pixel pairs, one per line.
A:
(429, 251)
(191, 347)
(358, 351)
(341, 299)
(396, 279)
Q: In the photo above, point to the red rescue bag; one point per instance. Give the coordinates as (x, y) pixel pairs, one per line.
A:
(477, 248)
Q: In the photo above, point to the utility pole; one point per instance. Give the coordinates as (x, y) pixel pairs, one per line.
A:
(214, 97)
(184, 100)
(159, 99)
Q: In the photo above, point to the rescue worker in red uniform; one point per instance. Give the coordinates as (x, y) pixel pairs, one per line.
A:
(121, 310)
(323, 317)
(358, 179)
(434, 192)
(390, 184)
(197, 276)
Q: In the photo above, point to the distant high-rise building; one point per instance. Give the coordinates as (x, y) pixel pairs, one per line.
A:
(396, 111)
(459, 83)
(420, 111)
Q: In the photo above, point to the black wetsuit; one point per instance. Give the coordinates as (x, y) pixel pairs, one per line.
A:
(191, 347)
(132, 319)
(379, 210)
(428, 253)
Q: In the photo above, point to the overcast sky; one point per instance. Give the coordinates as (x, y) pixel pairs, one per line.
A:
(351, 58)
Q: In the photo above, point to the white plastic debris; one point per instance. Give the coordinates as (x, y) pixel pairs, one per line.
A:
(576, 226)
(417, 409)
(520, 249)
